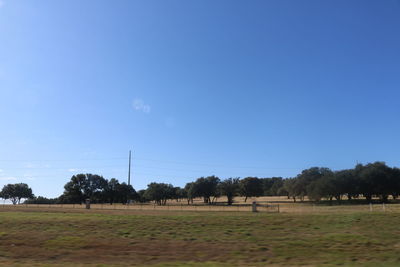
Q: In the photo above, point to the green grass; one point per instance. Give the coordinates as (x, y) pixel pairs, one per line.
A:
(199, 239)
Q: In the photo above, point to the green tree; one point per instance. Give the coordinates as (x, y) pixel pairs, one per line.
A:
(348, 183)
(230, 188)
(110, 193)
(141, 196)
(251, 187)
(271, 185)
(125, 192)
(16, 192)
(83, 186)
(159, 192)
(191, 192)
(277, 184)
(180, 193)
(395, 182)
(289, 187)
(207, 188)
(324, 187)
(307, 177)
(375, 179)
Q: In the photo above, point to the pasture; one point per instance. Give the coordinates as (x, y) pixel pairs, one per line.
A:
(74, 237)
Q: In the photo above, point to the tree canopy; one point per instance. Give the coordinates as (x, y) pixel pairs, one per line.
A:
(16, 192)
(97, 189)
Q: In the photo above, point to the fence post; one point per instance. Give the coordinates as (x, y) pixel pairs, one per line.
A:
(278, 208)
(88, 203)
(383, 207)
(254, 206)
(370, 206)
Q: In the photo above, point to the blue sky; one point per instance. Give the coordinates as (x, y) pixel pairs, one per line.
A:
(195, 88)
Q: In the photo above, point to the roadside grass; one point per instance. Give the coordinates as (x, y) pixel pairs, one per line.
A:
(198, 239)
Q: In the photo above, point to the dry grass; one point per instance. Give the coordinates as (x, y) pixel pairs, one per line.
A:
(74, 237)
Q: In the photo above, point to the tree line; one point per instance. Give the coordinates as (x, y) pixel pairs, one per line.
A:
(210, 188)
(370, 180)
(373, 180)
(100, 190)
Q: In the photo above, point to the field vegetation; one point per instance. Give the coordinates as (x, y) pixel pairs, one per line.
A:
(50, 237)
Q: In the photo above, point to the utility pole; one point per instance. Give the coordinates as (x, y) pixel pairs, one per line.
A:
(129, 172)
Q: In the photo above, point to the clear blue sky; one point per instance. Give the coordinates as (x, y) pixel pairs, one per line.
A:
(231, 88)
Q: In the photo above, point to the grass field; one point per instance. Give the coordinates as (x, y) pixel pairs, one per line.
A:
(45, 237)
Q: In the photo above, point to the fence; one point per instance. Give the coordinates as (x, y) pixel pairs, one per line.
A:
(268, 208)
(310, 208)
(262, 207)
(150, 207)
